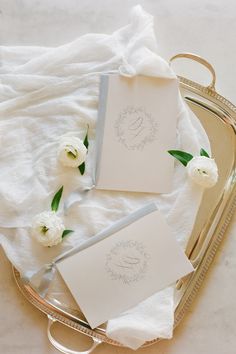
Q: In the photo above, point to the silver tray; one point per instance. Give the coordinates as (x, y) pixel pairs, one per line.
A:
(218, 116)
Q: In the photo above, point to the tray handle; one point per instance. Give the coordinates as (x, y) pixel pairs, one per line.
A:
(200, 60)
(61, 347)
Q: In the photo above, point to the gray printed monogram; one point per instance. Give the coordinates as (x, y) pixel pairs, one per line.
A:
(135, 128)
(127, 261)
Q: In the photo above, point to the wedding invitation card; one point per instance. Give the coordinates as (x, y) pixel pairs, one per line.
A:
(125, 268)
(136, 127)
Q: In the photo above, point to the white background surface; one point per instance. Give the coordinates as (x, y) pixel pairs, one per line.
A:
(207, 28)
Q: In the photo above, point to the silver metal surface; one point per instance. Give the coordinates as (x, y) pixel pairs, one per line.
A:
(218, 116)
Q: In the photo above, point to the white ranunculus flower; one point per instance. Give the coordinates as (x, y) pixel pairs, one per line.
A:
(48, 228)
(203, 171)
(72, 151)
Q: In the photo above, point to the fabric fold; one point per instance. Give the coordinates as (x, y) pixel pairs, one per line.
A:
(49, 92)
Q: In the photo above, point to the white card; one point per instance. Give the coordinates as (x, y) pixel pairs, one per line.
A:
(125, 268)
(136, 127)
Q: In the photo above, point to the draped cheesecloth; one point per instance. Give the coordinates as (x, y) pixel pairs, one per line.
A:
(49, 92)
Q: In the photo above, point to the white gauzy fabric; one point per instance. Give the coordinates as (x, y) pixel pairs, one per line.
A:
(49, 92)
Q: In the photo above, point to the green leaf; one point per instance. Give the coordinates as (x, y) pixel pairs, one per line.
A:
(56, 200)
(204, 153)
(181, 156)
(86, 143)
(66, 232)
(82, 168)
